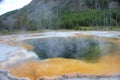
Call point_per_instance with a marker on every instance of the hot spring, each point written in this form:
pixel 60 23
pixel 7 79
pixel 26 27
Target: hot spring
pixel 89 57
pixel 80 48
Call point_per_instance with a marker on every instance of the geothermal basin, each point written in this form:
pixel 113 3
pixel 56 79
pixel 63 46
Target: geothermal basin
pixel 62 55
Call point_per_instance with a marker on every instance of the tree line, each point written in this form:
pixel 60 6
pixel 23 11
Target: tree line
pixel 82 13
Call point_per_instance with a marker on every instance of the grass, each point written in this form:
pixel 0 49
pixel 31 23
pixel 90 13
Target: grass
pixel 98 28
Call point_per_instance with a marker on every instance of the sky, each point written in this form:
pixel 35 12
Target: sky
pixel 9 5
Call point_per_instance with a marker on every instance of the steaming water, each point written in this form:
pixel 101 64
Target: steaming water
pixel 72 47
pixel 9 56
pixel 5 51
pixel 12 55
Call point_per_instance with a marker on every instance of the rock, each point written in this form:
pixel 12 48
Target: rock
pixel 78 76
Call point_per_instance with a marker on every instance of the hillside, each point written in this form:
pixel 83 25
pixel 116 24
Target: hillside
pixel 60 14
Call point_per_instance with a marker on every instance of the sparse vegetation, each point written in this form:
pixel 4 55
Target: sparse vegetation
pixel 65 14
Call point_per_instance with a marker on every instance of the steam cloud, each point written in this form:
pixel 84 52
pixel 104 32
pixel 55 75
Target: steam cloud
pixel 70 47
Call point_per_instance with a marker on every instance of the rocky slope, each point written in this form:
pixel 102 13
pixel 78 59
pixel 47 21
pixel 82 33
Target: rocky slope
pixel 39 11
pixel 42 14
